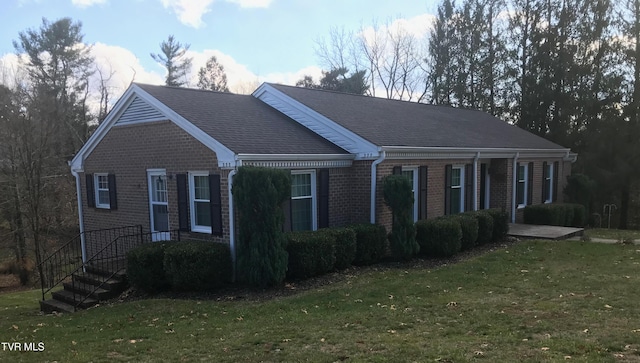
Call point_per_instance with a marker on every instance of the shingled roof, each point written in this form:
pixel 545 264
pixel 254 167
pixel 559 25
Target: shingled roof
pixel 386 122
pixel 242 123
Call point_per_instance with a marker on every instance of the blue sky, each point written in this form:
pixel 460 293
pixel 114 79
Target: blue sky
pixel 255 40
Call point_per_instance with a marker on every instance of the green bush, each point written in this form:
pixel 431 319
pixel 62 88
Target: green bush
pixel 197 265
pixel 259 194
pixel 469 228
pixel 485 226
pixel 500 224
pixel 439 237
pixel 398 195
pixel 556 214
pixel 145 267
pixel 311 253
pixel 580 189
pixel 345 246
pixel 371 243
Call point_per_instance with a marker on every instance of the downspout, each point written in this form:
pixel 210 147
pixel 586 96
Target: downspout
pixel 232 230
pixel 374 168
pixel 80 214
pixel 513 187
pixel 475 181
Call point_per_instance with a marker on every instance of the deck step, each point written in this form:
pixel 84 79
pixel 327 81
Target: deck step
pixel 53 305
pixel 69 297
pixel 103 270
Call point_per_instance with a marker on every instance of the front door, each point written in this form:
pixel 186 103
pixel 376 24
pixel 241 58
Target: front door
pixel 158 205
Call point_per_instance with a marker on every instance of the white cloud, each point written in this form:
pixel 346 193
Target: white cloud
pixel 189 12
pixel 87 3
pixel 251 3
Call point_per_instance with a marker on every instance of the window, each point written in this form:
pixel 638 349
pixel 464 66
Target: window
pixel 457 192
pixel 102 190
pixel 412 174
pixel 303 201
pixel 522 185
pixel 200 202
pixel 548 183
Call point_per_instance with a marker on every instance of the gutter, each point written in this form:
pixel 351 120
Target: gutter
pixel 513 188
pixel 80 214
pixel 232 229
pixel 374 168
pixel 475 181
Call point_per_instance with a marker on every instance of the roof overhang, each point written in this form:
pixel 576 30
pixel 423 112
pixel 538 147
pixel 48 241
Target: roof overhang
pixel 407 152
pixel 296 161
pixel 316 122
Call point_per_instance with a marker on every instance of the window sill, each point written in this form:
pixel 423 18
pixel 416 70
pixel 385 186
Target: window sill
pixel 103 206
pixel 521 206
pixel 201 229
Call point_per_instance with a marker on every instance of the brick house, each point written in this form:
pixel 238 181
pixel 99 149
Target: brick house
pixel 165 158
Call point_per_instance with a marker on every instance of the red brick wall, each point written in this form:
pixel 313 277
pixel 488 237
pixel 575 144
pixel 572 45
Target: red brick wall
pixel 127 152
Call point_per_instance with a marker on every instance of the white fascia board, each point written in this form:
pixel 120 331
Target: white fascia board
pixel 77 163
pixel 226 157
pixel 406 152
pixel 314 121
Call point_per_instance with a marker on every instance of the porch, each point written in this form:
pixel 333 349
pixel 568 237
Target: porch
pixel 532 231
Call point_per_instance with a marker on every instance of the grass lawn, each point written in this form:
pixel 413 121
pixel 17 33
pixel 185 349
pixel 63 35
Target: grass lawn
pixel 616 234
pixel 530 302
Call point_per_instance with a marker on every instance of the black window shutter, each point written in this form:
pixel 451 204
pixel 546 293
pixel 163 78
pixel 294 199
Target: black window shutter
pixel 323 201
pixel 113 193
pixel 91 195
pixel 423 173
pixel 215 203
pixel 397 170
pixel 530 184
pixel 183 203
pixel 556 177
pixel 468 188
pixel 545 186
pixel 447 189
pixel 483 185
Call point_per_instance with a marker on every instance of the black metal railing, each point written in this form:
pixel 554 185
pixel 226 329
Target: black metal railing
pixel 59 265
pixel 111 261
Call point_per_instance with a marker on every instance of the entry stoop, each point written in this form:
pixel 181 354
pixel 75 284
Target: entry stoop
pixel 533 231
pixel 89 288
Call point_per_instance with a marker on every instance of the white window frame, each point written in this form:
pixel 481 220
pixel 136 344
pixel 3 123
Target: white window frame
pixel 549 180
pixel 526 184
pixel 314 208
pixel 97 189
pixel 461 186
pixel 157 235
pixel 192 202
pixel 415 188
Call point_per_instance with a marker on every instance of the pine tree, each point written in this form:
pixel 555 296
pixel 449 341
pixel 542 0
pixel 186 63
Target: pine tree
pixel 173 58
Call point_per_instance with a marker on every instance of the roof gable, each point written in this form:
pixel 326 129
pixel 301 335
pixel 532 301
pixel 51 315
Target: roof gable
pixel 149 109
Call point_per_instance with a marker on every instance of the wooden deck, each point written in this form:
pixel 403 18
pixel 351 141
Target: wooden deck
pixel 531 231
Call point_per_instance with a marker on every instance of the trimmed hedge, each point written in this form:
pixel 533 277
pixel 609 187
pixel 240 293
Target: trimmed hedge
pixel 469 228
pixel 311 253
pixel 500 224
pixel 196 266
pixel 371 243
pixel 145 267
pixel 439 237
pixel 485 226
pixel 556 214
pixel 345 245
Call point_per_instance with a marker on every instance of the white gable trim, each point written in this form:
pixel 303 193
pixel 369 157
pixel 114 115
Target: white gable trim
pixel 226 157
pixel 314 121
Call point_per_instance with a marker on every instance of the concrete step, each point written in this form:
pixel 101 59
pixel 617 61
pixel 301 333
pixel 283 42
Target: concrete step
pixel 87 288
pixel 69 297
pixel 107 270
pixel 113 283
pixel 53 305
